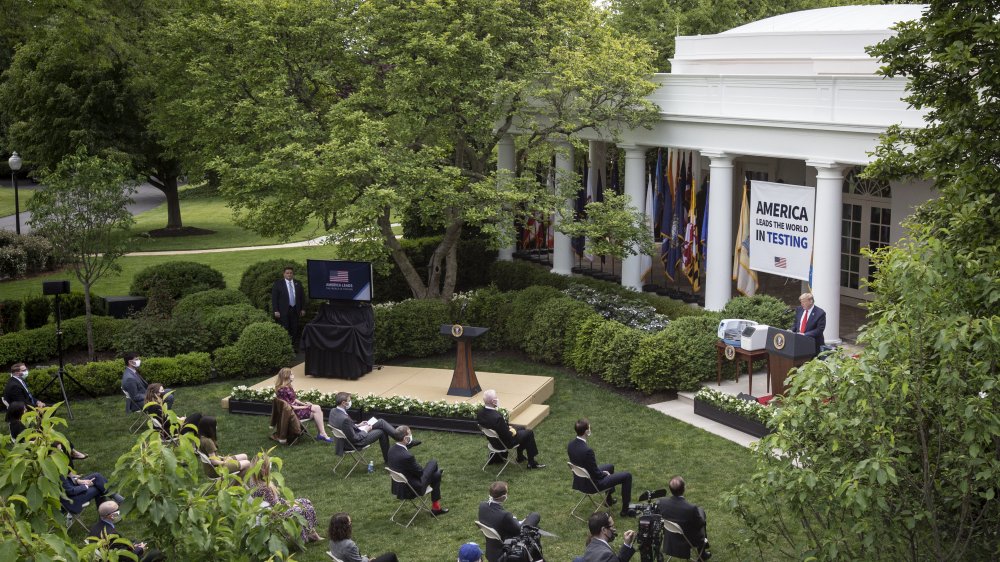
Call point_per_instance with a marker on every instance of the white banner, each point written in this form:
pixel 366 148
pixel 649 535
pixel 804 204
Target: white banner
pixel 781 228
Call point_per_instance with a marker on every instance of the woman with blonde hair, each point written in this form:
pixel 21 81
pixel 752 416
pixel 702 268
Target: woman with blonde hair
pixel 303 410
pixel 261 487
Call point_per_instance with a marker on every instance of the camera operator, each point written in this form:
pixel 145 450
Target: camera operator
pixel 492 514
pixel 602 534
pixel 690 518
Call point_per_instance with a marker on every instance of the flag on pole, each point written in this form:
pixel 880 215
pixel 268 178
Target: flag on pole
pixel 645 260
pixel 666 216
pixel 704 225
pixel 674 256
pixel 746 278
pixel 689 252
pixel 657 193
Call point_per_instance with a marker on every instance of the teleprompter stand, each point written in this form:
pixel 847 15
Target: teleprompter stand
pixel 463 380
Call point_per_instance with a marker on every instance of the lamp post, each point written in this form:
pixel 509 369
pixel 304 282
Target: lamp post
pixel 15 164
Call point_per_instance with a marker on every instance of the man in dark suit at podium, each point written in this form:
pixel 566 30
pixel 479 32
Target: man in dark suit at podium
pixel 810 320
pixel 287 295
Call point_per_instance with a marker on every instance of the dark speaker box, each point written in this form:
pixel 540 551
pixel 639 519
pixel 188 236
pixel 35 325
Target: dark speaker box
pixel 121 307
pixel 55 287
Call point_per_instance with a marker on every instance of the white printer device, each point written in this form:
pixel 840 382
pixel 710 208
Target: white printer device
pixel 754 337
pixel 731 330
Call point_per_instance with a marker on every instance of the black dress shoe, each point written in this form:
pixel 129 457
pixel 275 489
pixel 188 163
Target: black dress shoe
pixel 627 513
pixel 414 443
pixel 608 502
pixel 533 465
pixel 441 511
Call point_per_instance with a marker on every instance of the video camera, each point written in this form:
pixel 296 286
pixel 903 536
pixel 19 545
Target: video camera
pixel 649 535
pixel 524 548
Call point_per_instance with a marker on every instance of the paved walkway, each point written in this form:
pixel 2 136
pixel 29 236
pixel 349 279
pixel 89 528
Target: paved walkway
pixel 146 198
pixel 314 242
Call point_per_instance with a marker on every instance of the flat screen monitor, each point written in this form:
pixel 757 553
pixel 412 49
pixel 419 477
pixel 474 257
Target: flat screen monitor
pixel 340 280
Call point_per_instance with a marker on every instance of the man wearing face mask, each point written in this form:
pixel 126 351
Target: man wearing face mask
pixel 17 387
pixel 402 461
pixel 604 476
pixel 110 515
pixel 602 534
pixel 493 515
pixel 362 434
pixel 489 416
pixel 135 385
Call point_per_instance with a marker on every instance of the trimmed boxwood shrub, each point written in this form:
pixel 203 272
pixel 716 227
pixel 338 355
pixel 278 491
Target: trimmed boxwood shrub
pixel 74 304
pixel 39 344
pixel 151 335
pixel 514 276
pixel 614 347
pixel 10 316
pixel 257 280
pixel 177 279
pixel 762 309
pixel 486 307
pixel 226 323
pixel 37 310
pixel 410 329
pixel 551 330
pixel 679 357
pixel 24 253
pixel 200 304
pixel 521 310
pixel 262 348
pixel 105 377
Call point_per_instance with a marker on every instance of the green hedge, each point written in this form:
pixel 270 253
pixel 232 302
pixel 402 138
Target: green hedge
pixel 154 335
pixel 522 309
pixel 104 378
pixel 262 348
pixel 10 316
pixel 679 357
pixel 410 329
pixel 37 310
pixel 226 323
pixel 484 307
pixel 762 309
pixel 257 280
pixel 198 305
pixel 39 344
pixel 176 279
pixel 551 331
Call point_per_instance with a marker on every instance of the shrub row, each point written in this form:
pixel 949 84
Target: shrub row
pixel 22 254
pixel 176 279
pixel 39 344
pixel 105 377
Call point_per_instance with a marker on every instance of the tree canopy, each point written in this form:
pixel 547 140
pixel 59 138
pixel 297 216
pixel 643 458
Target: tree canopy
pixel 362 114
pixel 895 454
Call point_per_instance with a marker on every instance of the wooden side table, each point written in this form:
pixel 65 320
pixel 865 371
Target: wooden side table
pixel 738 354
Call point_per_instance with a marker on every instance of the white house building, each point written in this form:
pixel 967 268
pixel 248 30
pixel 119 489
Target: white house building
pixel 793 98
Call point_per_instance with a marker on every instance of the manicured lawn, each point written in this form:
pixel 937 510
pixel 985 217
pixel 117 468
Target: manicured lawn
pixel 650 445
pixel 231 264
pixel 207 211
pixel 7 199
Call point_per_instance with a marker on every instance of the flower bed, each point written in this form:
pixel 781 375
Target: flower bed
pixel 744 415
pixel 398 410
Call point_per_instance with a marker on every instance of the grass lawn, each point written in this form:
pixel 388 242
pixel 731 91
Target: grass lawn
pixel 7 199
pixel 209 211
pixel 650 445
pixel 231 264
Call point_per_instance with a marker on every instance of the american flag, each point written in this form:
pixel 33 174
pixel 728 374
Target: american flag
pixel 338 276
pixel 780 263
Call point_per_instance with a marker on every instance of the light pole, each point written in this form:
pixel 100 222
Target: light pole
pixel 15 164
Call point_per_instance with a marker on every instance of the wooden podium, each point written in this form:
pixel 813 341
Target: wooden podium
pixel 786 350
pixel 463 380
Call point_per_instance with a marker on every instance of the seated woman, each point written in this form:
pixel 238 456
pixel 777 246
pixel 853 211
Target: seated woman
pixel 191 424
pixel 81 489
pixel 208 444
pixel 344 548
pixel 261 487
pixel 303 410
pixel 14 414
pixel 156 408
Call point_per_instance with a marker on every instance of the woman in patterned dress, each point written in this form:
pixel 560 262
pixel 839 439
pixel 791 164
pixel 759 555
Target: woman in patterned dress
pixel 261 487
pixel 303 410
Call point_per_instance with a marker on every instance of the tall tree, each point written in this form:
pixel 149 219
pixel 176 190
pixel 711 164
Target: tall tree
pixel 82 212
pixel 364 113
pixel 895 455
pixel 80 78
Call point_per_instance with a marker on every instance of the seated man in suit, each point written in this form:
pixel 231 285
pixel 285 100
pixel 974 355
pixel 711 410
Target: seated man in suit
pixel 16 389
pixel 492 514
pixel 402 461
pixel 524 439
pixel 136 386
pixel 105 527
pixel 691 519
pixel 602 534
pixel 361 434
pixel 810 320
pixel 604 476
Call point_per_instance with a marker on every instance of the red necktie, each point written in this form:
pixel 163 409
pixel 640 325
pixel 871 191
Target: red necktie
pixel 805 318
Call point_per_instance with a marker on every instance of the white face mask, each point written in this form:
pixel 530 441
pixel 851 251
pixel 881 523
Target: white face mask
pixel 348 405
pixel 137 362
pixel 24 374
pixel 588 433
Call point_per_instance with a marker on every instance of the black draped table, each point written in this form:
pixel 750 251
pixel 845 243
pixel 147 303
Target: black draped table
pixel 340 341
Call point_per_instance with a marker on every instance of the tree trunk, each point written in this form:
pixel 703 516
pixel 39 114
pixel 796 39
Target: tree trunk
pixel 89 322
pixel 446 249
pixel 413 279
pixel 165 179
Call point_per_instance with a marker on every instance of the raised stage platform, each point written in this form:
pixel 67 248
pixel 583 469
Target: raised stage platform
pixel 522 395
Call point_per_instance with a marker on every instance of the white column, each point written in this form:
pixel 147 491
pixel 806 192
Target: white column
pixel 505 163
pixel 719 263
pixel 826 244
pixel 562 253
pixel 635 188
